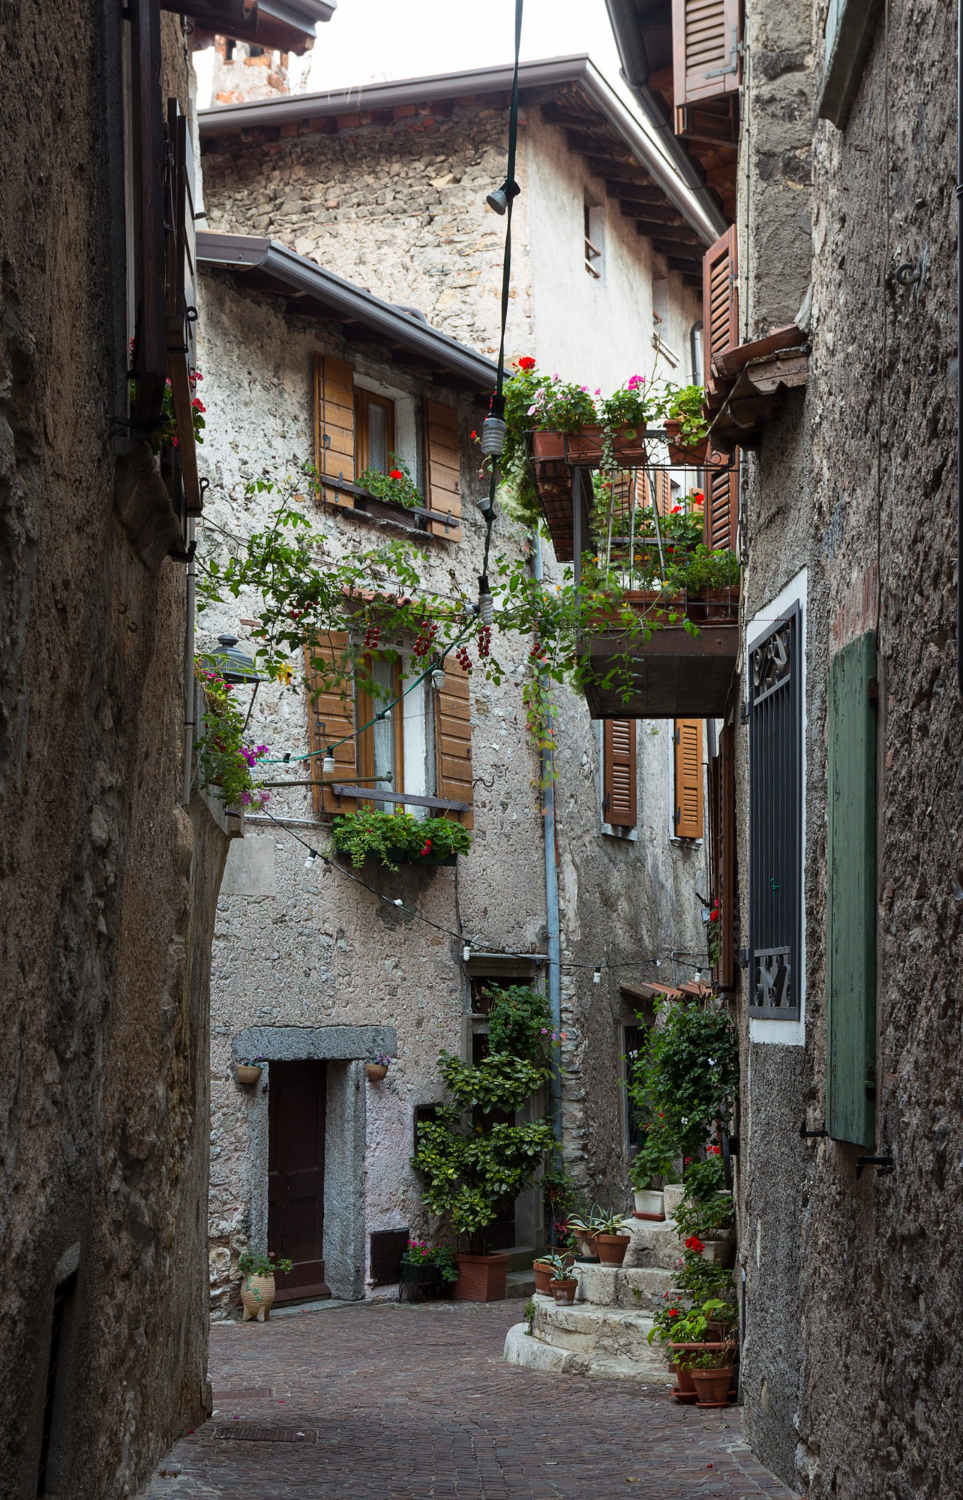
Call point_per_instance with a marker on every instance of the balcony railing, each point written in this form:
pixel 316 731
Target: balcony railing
pixel 654 538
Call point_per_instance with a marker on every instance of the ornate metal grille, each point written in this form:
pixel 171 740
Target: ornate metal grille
pixel 775 819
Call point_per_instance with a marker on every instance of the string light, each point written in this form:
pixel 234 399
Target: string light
pixel 597 976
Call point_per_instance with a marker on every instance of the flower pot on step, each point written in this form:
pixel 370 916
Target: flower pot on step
pixel 564 1291
pixel 679 1352
pixel 721 1251
pixel 712 1386
pixel 649 1204
pixel 612 1248
pixel 587 1246
pixel 257 1297
pixel 481 1278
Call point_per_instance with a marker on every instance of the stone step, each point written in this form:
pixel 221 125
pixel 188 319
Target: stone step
pixel 520 1258
pixel 520 1284
pixel 602 1344
pixel 653 1244
pixel 643 1288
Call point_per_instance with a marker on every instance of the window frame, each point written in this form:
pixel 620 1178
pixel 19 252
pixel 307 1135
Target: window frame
pixel 366 709
pixel 363 401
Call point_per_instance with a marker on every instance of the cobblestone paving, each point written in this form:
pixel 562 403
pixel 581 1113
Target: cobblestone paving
pixel 414 1402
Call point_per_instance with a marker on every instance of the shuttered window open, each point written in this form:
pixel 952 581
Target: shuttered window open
pixel 181 300
pixel 720 291
pixel 619 774
pixel 149 362
pixel 705 50
pixel 722 833
pixel 687 817
pixel 443 469
pixel 331 717
pixel 334 426
pixel 453 739
pixel 851 904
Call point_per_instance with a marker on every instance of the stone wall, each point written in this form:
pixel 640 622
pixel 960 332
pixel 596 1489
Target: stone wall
pixel 108 884
pixel 848 1367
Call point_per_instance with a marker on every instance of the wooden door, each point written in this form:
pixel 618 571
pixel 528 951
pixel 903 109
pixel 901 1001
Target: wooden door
pixel 296 1115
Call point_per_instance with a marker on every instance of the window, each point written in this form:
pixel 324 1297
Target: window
pixel 619 774
pixel 722 835
pixel 850 29
pixel 633 1041
pixel 687 817
pixel 594 222
pixel 374 431
pixel 695 349
pixel 660 321
pixel 775 819
pixel 381 742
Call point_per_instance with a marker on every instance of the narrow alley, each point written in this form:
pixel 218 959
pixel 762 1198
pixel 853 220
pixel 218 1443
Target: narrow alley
pixel 416 1402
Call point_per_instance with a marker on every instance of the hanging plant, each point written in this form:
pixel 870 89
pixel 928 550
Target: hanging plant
pixel 393 837
pixel 224 762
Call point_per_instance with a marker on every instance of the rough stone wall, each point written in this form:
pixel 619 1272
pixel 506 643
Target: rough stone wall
pixel 107 884
pixel 848 1366
pixel 243 72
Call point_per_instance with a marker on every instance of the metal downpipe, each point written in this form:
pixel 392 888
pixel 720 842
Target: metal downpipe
pixel 551 893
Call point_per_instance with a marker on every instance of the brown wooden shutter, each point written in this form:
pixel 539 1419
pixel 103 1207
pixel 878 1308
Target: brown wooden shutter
pixel 334 425
pixel 149 364
pixel 687 816
pixel 722 504
pixel 181 299
pixel 453 739
pixel 720 291
pixel 619 776
pixel 443 468
pixel 705 50
pixel 722 810
pixel 330 718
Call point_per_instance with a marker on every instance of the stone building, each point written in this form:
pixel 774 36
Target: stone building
pixel 834 375
pixel 110 864
pixel 390 195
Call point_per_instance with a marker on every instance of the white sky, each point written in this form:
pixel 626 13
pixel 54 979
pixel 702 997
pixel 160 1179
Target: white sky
pixel 372 41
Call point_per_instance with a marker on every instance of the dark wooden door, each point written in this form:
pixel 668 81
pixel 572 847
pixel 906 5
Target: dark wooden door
pixel 296 1175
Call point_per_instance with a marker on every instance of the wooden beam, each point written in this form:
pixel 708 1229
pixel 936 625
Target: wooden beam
pixel 683 235
pixel 619 187
pixel 653 213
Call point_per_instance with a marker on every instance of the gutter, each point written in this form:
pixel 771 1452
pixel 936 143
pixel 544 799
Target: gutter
pixel 670 168
pixel 627 29
pixel 551 892
pixel 241 252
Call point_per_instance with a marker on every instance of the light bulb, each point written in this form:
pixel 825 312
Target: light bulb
pixel 329 765
pixel 698 976
pixel 397 901
pixel 465 954
pixel 597 976
pixel 493 437
pixel 438 678
pixel 312 856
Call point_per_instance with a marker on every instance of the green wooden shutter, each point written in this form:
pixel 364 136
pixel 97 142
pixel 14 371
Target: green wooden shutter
pixel 851 874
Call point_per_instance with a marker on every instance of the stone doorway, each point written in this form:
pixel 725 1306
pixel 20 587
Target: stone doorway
pixel 297 1103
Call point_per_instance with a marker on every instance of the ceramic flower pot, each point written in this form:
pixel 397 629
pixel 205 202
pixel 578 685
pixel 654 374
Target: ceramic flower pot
pixel 246 1075
pixel 543 1274
pixel 712 1386
pixel 376 1071
pixel 683 1376
pixel 721 1251
pixel 612 1248
pixel 257 1297
pixel 587 1246
pixel 649 1204
pixel 564 1291
pixel 684 453
pixel 481 1278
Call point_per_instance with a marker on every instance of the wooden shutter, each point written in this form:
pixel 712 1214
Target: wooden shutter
pixel 149 364
pixel 688 779
pixel 330 718
pixel 619 776
pixel 334 425
pixel 722 814
pixel 720 293
pixel 443 468
pixel 851 905
pixel 705 50
pixel 722 503
pixel 181 299
pixel 453 739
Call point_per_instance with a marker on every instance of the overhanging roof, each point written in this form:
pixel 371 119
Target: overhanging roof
pixel 289 25
pixel 265 265
pixel 539 82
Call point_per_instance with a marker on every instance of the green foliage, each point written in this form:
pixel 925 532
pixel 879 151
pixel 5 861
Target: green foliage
pixel 557 1185
pixel 500 1081
pixel 397 485
pixel 372 834
pixel 699 1279
pixel 224 762
pixel 655 1157
pixel 520 1021
pixel 707 1208
pixel 559 1265
pixel 528 1313
pixel 440 1257
pixel 685 407
pixel 688 1072
pixel 255 1263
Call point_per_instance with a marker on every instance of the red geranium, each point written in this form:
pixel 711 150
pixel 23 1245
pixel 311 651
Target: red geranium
pixel 694 1243
pixel 699 497
pixel 395 474
pixel 526 363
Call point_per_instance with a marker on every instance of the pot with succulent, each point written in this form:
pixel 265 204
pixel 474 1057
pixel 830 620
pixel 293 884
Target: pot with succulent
pixel 542 1267
pixel 377 1069
pixel 612 1239
pixel 585 1229
pixel 561 1283
pixel 258 1288
pixel 247 1070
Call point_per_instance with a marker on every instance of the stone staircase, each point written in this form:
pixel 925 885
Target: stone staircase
pixel 604 1333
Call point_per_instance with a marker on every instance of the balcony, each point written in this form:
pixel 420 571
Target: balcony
pixel 653 541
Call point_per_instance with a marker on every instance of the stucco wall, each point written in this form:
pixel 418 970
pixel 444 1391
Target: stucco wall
pixel 108 884
pixel 848 1370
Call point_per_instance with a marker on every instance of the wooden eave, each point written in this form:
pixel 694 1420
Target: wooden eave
pixel 750 384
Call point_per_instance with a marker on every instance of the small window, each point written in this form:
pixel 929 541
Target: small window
pixel 850 29
pixel 380 744
pixel 660 321
pixel 594 217
pixel 633 1041
pixel 619 774
pixel 374 431
pixel 698 360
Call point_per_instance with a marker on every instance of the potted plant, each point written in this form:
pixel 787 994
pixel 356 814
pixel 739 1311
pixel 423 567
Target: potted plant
pixel 248 1070
pixel 378 1068
pixel 585 1229
pixel 398 838
pixel 258 1288
pixel 433 1269
pixel 472 1165
pixel 710 1369
pixel 542 1267
pixel 562 1284
pixel 558 1186
pixel 685 426
pixel 653 1159
pixel 612 1240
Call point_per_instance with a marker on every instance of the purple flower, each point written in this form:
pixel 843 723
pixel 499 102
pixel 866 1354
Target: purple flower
pixel 245 797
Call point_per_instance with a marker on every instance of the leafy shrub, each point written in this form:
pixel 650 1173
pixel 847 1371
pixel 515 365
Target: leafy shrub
pixel 371 834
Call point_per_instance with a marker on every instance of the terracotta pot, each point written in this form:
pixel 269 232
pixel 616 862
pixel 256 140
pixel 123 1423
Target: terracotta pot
pixel 481 1278
pixel 376 1071
pixel 684 1398
pixel 245 1075
pixel 564 1291
pixel 649 1204
pixel 612 1248
pixel 681 453
pixel 543 1276
pixel 257 1297
pixel 587 1246
pixel 712 1386
pixel 684 1377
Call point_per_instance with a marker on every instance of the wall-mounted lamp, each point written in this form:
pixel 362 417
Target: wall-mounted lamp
pixel 501 197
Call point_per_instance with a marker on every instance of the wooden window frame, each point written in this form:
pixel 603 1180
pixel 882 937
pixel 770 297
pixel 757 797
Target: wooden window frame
pixel 363 402
pixel 367 708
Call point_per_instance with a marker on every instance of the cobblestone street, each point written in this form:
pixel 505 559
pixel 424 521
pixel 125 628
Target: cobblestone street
pixel 415 1402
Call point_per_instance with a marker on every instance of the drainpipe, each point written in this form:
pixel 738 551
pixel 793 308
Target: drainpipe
pixel 959 347
pixel 551 888
pixel 190 692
